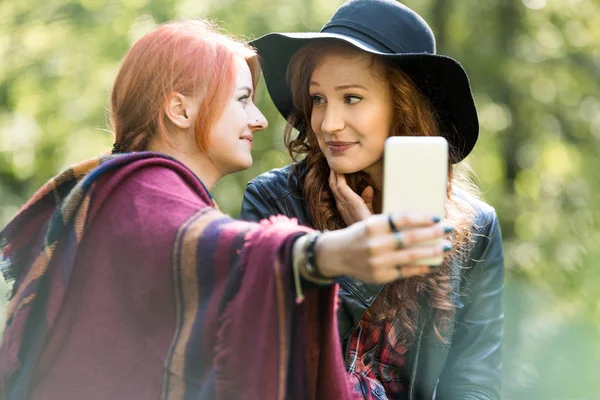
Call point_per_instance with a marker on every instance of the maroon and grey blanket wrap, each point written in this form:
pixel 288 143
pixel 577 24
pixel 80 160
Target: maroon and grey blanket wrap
pixel 130 283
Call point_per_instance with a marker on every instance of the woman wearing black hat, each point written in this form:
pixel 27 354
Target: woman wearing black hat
pixel 371 73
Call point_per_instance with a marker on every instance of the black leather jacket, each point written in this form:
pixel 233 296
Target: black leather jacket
pixel 469 366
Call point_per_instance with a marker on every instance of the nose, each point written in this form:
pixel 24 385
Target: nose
pixel 257 121
pixel 333 120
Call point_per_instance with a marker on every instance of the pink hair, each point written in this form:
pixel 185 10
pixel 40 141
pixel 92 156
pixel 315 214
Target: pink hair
pixel 189 57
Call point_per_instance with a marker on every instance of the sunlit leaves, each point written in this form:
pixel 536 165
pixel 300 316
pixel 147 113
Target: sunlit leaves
pixel 534 67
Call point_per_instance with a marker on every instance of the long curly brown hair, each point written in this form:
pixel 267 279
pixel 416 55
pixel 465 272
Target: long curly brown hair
pixel 413 115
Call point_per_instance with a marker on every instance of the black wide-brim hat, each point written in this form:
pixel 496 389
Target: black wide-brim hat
pixel 389 29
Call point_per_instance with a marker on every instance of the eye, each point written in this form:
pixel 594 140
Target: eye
pixel 351 99
pixel 244 98
pixel 316 99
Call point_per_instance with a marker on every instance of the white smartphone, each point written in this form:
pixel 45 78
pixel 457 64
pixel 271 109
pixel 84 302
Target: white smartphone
pixel 415 177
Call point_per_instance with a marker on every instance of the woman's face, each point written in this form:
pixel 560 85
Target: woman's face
pixel 230 138
pixel 351 112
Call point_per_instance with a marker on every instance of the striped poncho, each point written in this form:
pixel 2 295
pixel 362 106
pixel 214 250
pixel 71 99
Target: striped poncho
pixel 130 284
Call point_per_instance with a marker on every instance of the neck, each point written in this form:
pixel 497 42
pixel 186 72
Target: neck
pixel 197 161
pixel 375 173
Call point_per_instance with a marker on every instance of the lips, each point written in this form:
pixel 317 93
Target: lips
pixel 340 147
pixel 247 138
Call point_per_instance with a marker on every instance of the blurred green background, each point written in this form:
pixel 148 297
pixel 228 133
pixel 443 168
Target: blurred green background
pixel 535 70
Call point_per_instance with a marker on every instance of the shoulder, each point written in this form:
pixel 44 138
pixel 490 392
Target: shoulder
pixel 486 248
pixel 144 206
pixel 165 182
pixel 145 186
pixel 279 182
pixel 484 215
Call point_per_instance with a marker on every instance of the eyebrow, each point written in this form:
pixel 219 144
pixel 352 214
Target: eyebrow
pixel 341 87
pixel 249 89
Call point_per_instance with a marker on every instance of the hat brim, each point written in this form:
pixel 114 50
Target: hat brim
pixel 442 79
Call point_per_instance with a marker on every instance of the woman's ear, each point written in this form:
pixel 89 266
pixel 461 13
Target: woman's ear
pixel 177 112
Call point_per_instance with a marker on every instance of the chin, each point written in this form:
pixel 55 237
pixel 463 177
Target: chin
pixel 242 165
pixel 346 167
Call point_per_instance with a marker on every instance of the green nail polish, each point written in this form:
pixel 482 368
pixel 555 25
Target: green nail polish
pixel 436 220
pixel 434 266
pixel 448 229
pixel 447 247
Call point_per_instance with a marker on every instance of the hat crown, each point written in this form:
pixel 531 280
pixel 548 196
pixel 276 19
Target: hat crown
pixel 387 25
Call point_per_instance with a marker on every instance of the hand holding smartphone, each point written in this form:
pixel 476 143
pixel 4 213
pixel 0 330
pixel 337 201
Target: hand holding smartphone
pixel 415 178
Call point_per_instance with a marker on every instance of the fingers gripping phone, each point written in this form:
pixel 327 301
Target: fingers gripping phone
pixel 415 176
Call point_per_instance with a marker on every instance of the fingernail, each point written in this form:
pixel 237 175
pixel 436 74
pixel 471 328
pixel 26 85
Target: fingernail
pixel 434 266
pixel 447 247
pixel 436 220
pixel 448 229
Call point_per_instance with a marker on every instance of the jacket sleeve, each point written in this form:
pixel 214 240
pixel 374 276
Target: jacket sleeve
pixel 255 205
pixel 474 367
pixel 258 205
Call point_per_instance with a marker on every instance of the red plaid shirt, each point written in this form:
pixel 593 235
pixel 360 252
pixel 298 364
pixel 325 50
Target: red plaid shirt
pixel 375 360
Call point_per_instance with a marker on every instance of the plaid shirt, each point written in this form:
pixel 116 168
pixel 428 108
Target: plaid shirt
pixel 375 360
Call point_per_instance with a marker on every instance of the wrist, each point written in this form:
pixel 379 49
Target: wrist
pixel 325 255
pixel 305 258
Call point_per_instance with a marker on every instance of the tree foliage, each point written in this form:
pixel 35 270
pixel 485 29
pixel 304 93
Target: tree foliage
pixel 535 71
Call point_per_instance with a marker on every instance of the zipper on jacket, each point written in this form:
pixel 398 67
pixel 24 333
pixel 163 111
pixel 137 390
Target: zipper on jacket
pixel 411 395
